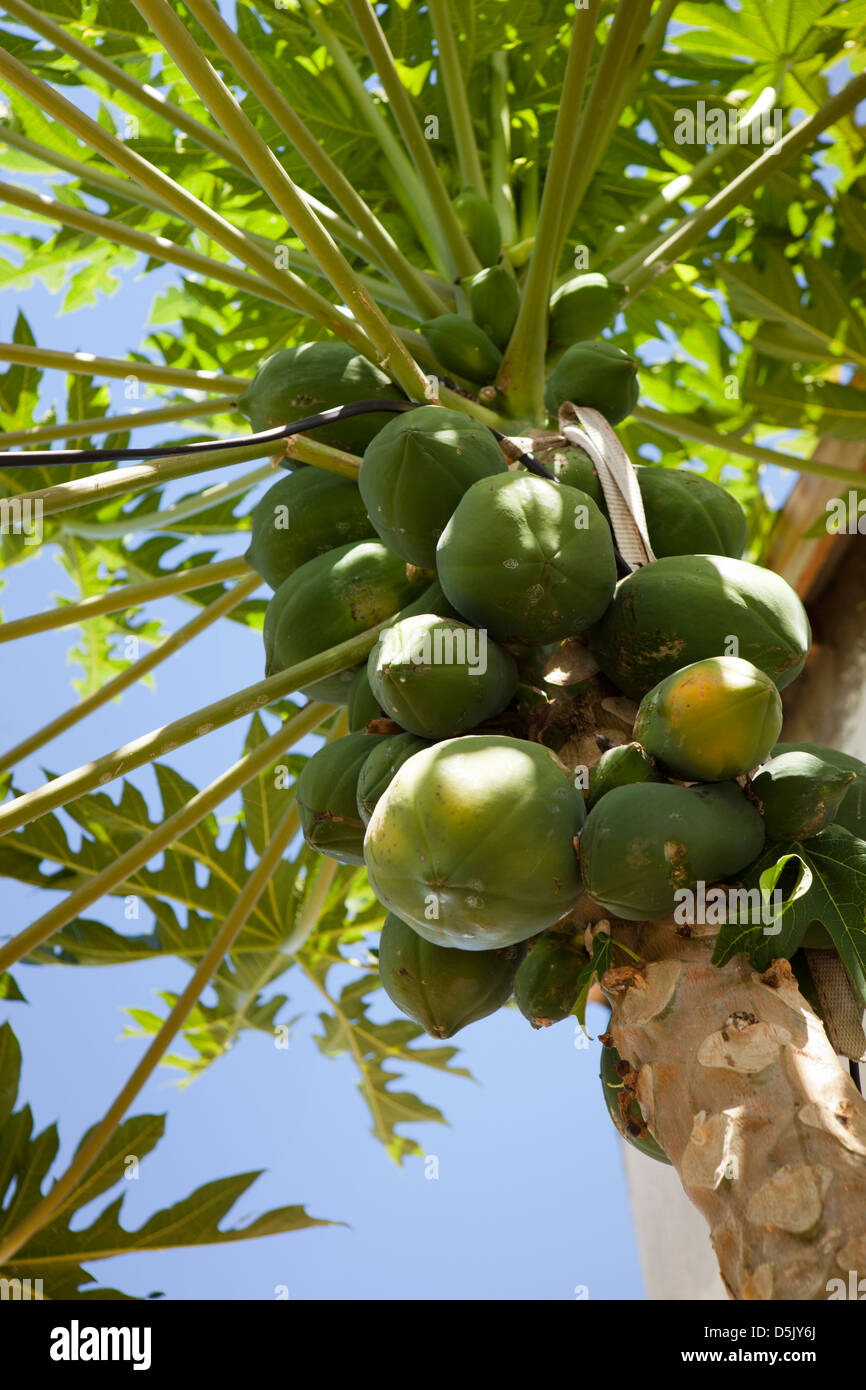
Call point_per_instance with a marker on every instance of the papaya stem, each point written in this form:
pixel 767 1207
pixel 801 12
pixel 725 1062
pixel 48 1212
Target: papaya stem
pixel 96 1139
pixel 646 265
pixel 521 374
pixel 135 672
pixel 501 195
pixel 166 518
pixel 195 725
pixel 115 424
pixel 23 355
pixel 471 174
pixel 682 427
pixel 419 292
pixel 128 596
pixel 266 168
pixel 465 260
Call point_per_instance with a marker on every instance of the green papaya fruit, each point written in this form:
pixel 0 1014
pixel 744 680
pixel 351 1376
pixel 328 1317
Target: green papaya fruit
pixel 620 767
pixel 460 346
pixel 548 979
pixel 381 768
pixel 598 375
pixel 572 466
pixel 711 721
pixel 494 300
pixel 800 794
pixel 623 1108
pixel 437 677
pixel 327 797
pixel 472 843
pixel 688 514
pixel 303 515
pixel 851 815
pixel 643 843
pixel 415 472
pixel 330 599
pixel 442 989
pixel 527 559
pixel 361 705
pixel 580 309
pixel 312 377
pixel 687 607
pixel 480 224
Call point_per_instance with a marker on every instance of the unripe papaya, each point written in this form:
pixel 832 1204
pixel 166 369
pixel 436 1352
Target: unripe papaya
pixel 330 599
pixel 362 705
pixel 548 979
pixel 688 514
pixel 580 309
pixel 437 677
pixel 687 607
pixel 415 472
pixel 440 988
pixel 620 767
pixel 472 842
pixel 303 515
pixel 623 1108
pixel 643 843
pixel 529 560
pixel 711 721
pixel 572 466
pixel 494 299
pixel 598 375
pixel 382 766
pixel 327 797
pixel 851 815
pixel 480 224
pixel 800 794
pixel 312 377
pixel 460 346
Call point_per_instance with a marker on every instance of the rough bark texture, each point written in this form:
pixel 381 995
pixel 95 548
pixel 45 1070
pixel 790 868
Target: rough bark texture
pixel 737 1080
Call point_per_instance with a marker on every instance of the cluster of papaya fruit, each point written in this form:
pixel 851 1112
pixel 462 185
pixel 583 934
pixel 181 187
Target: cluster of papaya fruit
pixel 479 841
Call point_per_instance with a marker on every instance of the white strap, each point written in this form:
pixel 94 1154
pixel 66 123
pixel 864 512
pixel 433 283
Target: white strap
pixel 618 480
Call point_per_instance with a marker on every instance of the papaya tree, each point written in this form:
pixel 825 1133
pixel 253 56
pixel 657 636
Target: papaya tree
pixel 510 303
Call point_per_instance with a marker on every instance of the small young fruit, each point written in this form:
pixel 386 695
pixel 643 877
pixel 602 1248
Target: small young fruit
pixel 437 677
pixel 598 375
pixel 381 768
pixel 548 979
pixel 460 346
pixel 711 721
pixel 624 1109
pixel 580 309
pixel 480 224
pixel 620 767
pixel 800 794
pixel 494 300
pixel 851 815
pixel 327 797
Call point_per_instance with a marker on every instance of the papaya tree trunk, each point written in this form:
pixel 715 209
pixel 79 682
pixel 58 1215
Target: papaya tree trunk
pixel 737 1080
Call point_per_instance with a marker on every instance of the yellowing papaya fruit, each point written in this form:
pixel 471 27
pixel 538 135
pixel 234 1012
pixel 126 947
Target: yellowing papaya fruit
pixel 494 300
pixel 582 307
pixel 800 794
pixel 851 815
pixel 472 842
pixel 480 224
pixel 312 377
pixel 437 677
pixel 460 346
pixel 620 767
pixel 684 608
pixel 416 470
pixel 548 978
pixel 622 1105
pixel 598 375
pixel 529 560
pixel 711 721
pixel 381 768
pixel 442 989
pixel 643 843
pixel 330 599
pixel 327 797
pixel 303 515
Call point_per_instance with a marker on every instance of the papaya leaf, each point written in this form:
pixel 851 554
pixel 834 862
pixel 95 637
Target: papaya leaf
pixel 815 323
pixel 57 1255
pixel 9 989
pixel 828 887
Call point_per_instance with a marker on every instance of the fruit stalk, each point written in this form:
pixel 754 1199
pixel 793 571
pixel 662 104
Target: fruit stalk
pixel 739 1083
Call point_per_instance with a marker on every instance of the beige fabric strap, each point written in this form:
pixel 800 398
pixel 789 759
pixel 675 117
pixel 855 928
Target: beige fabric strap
pixel 842 1007
pixel 590 431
